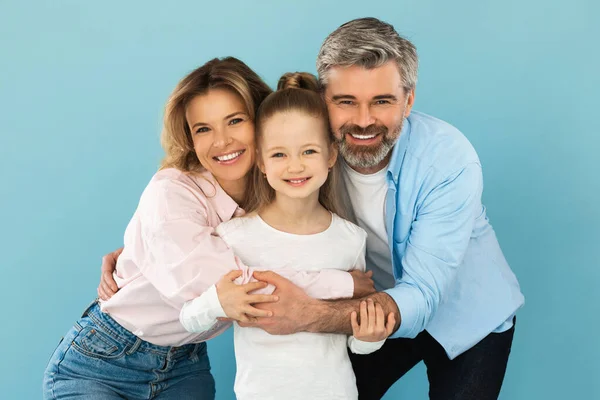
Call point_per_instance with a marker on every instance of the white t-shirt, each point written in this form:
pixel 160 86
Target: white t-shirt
pixel 367 194
pixel 302 365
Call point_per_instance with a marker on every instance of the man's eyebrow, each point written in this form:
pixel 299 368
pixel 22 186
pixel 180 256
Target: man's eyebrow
pixel 343 96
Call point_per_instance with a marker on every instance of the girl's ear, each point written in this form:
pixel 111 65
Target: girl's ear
pixel 260 163
pixel 333 155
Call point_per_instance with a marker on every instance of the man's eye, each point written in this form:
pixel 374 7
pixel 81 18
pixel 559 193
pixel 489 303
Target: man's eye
pixel 379 102
pixel 346 102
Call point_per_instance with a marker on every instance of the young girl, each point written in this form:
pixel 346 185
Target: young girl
pixel 294 225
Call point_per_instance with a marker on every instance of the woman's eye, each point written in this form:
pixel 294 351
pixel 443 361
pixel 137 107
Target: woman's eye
pixel 235 121
pixel 203 129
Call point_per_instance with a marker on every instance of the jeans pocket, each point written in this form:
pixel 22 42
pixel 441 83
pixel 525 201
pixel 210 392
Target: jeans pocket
pixel 96 343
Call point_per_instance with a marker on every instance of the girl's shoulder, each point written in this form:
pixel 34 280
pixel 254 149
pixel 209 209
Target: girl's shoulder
pixel 351 229
pixel 237 227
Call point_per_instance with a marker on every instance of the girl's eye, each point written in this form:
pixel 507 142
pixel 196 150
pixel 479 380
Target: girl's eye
pixel 202 129
pixel 277 155
pixel 235 121
pixel 309 152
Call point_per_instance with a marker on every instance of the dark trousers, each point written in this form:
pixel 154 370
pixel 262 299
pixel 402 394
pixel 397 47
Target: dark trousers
pixel 476 374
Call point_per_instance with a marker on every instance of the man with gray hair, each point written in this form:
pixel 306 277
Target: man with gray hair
pixel 415 185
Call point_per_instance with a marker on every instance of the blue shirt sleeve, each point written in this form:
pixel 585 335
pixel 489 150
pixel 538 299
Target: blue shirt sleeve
pixel 436 246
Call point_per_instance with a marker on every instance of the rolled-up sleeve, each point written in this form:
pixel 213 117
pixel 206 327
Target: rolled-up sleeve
pixel 435 247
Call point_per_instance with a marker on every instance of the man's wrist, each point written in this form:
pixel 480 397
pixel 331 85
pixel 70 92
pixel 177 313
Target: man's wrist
pixel 312 313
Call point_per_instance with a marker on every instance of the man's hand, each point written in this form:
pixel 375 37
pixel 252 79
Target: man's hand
pixel 108 287
pixel 289 314
pixel 363 283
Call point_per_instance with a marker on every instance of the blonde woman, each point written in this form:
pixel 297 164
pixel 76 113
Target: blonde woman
pixel 133 345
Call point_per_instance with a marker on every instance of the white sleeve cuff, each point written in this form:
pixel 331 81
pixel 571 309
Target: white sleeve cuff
pixel 200 314
pixel 361 347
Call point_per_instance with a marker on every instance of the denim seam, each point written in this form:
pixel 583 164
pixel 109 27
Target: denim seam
pixel 78 328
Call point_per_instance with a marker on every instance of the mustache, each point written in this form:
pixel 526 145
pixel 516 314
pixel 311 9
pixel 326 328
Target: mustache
pixel 358 130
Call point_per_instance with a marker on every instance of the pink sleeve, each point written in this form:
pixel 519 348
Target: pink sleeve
pixel 323 284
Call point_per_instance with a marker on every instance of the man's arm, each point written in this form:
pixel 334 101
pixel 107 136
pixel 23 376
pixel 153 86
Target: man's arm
pixel 297 312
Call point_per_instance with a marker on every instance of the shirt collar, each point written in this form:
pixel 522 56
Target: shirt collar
pixel 399 151
pixel 223 204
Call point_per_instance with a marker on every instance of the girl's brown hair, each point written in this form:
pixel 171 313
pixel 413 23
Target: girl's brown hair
pixel 298 91
pixel 229 73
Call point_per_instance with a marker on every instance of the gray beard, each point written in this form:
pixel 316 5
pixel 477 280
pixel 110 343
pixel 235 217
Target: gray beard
pixel 368 157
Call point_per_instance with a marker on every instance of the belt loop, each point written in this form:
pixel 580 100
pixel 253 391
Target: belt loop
pixel 135 346
pixel 89 307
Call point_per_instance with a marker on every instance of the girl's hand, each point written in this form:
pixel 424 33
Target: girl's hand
pixel 372 326
pixel 236 300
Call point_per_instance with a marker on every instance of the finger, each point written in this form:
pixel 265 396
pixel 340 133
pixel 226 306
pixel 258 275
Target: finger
pixel 233 275
pixel 262 298
pixel 243 318
pixel 389 328
pixel 371 311
pixel 269 277
pixel 379 317
pixel 225 319
pixel 252 286
pixel 257 312
pixel 364 318
pixel 369 274
pixel 101 294
pixel 108 263
pixel 109 283
pixel 107 292
pixel 354 322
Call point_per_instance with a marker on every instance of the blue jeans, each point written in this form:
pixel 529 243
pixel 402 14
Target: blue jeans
pixel 99 359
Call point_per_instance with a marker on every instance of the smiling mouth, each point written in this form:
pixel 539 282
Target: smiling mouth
pixel 297 182
pixel 362 137
pixel 228 158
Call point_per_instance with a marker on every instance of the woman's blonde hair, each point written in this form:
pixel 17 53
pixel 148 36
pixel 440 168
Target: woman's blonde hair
pixel 298 91
pixel 229 73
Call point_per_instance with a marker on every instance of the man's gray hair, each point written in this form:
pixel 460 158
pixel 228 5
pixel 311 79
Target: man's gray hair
pixel 369 43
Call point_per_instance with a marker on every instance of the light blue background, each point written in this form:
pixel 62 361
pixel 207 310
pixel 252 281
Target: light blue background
pixel 82 86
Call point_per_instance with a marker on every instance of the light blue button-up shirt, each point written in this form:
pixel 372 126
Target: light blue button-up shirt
pixel 451 277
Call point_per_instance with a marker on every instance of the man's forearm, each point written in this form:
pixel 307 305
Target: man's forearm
pixel 333 316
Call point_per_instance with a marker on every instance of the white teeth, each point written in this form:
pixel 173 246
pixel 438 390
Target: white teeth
pixel 296 180
pixel 363 137
pixel 228 157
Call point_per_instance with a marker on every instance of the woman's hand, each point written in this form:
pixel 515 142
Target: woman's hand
pixel 236 300
pixel 108 287
pixel 372 326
